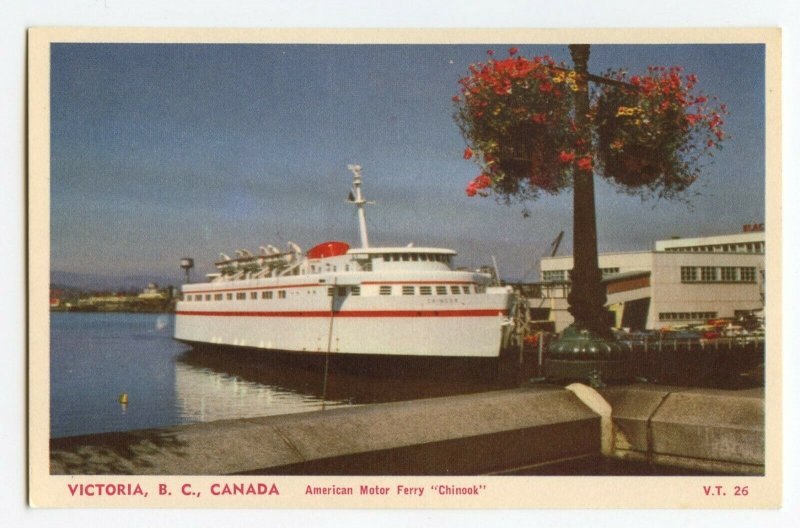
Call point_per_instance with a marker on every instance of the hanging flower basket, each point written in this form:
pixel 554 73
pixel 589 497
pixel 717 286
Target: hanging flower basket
pixel 650 137
pixel 515 115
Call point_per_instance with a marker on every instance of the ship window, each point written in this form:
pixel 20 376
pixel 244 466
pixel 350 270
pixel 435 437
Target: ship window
pixel 341 291
pixel 229 296
pixel 330 291
pixel 266 295
pixel 465 289
pixel 208 297
pixel 425 290
pixel 408 290
pixel 405 257
pixel 441 290
pixel 395 257
pixel 455 290
pixel 355 290
pixel 217 296
pixel 423 256
pixel 254 295
pixel 386 290
pixel 347 267
pixel 241 296
pixel 414 257
pixel 480 288
pixel 386 258
pixel 281 294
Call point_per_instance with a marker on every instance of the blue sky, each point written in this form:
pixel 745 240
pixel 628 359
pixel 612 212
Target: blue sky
pixel 165 151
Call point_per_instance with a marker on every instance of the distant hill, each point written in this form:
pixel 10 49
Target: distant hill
pixel 98 282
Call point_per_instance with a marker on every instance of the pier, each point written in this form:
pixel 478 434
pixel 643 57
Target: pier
pixel 531 430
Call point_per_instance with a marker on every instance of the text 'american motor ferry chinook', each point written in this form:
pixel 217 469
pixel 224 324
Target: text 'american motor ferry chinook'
pixel 360 303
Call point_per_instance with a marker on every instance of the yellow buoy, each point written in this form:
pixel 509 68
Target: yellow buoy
pixel 123 398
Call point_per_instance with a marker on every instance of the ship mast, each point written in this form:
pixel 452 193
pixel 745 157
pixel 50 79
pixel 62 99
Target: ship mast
pixel 359 201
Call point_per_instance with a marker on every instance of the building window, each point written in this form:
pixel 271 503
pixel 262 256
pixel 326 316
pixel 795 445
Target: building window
pixel 728 274
pixel 425 290
pixel 441 290
pixel 708 273
pixel 688 274
pixel 605 272
pixel 385 290
pixel 686 316
pixel 747 274
pixel 553 276
pixel 408 290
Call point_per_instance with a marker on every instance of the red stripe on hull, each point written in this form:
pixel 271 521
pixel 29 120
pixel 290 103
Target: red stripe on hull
pixel 354 313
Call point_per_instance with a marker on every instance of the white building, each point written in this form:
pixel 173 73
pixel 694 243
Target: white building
pixel 680 282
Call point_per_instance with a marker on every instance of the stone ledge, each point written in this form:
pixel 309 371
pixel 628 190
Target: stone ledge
pixel 470 434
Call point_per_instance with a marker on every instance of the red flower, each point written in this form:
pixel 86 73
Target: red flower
pixel 566 157
pixel 513 51
pixel 456 99
pixel 700 100
pixel 539 119
pixel 467 153
pixel 482 181
pixel 490 52
pixel 585 163
pixel 546 87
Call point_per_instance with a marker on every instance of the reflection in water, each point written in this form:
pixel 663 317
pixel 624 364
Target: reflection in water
pixel 204 395
pixel 219 384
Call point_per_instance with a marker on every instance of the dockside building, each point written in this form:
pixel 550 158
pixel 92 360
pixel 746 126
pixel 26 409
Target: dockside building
pixel 680 281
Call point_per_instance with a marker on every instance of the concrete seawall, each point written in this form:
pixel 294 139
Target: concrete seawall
pixel 492 432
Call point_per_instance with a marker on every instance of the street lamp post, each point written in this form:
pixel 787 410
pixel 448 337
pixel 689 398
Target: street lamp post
pixel 587 348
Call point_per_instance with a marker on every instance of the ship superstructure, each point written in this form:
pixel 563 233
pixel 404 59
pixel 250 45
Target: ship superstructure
pixel 384 301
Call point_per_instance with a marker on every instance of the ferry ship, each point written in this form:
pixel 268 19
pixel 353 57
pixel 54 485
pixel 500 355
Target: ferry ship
pixel 364 302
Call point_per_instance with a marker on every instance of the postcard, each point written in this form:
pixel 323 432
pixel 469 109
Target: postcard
pixel 404 269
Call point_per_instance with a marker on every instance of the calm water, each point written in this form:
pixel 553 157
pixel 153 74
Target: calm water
pixel 97 356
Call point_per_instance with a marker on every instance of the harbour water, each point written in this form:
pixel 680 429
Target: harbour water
pixel 96 357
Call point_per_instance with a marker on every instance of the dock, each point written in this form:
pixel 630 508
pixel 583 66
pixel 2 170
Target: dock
pixel 530 430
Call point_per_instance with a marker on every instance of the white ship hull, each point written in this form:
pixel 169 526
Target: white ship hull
pixel 308 320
